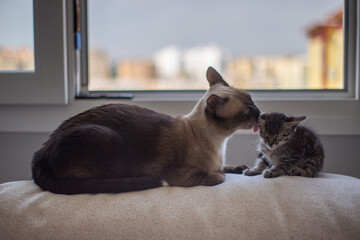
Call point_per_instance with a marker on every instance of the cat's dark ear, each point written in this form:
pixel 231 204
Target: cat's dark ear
pixel 214 77
pixel 294 121
pixel 215 103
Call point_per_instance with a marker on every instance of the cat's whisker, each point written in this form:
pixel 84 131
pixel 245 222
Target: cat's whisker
pixel 284 150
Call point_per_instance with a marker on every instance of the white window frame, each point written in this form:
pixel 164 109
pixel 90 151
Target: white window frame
pixel 48 84
pixel 349 91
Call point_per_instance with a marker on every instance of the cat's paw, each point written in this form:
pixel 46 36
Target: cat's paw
pixel 251 172
pixel 270 174
pixel 240 169
pixel 235 169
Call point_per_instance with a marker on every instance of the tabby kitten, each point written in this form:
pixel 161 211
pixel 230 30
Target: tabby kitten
pixel 286 148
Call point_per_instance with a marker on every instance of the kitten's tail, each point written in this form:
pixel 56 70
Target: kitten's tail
pixel 42 176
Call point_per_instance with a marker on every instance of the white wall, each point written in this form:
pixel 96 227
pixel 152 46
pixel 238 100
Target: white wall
pixel 16 151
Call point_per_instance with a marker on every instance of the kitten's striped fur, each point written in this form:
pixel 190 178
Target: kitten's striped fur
pixel 286 148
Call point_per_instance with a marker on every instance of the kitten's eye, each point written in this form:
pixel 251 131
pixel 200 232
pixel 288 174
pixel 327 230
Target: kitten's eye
pixel 285 135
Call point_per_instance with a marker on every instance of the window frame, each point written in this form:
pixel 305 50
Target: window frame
pixel 349 92
pixel 48 84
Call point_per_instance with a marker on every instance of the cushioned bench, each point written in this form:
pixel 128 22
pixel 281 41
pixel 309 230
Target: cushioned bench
pixel 326 207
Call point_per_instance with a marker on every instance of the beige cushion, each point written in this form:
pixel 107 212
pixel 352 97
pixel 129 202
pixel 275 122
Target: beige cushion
pixel 327 207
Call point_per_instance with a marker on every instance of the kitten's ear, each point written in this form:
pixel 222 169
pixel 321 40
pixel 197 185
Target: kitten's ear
pixel 214 77
pixel 262 117
pixel 294 121
pixel 215 103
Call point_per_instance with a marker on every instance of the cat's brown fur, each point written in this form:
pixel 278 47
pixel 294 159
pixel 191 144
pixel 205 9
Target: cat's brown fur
pixel 118 148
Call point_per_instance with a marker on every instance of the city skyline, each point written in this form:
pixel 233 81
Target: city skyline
pixel 174 68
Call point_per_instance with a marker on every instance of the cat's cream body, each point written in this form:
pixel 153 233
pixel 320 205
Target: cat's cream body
pixel 212 136
pixel 117 147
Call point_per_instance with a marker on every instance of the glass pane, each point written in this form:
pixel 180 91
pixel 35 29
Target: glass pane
pixel 17 35
pixel 168 45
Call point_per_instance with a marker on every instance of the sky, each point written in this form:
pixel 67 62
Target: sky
pixel 16 23
pixel 138 28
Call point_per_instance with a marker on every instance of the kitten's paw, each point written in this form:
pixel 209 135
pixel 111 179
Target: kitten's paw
pixel 295 172
pixel 251 172
pixel 270 174
pixel 302 172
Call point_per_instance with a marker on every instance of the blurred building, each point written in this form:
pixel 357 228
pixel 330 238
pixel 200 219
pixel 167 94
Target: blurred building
pixel 196 60
pixel 100 71
pixel 99 64
pixel 186 69
pixel 135 74
pixel 12 59
pixel 168 62
pixel 136 69
pixel 325 53
pixel 267 72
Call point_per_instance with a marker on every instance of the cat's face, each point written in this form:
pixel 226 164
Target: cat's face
pixel 229 107
pixel 276 128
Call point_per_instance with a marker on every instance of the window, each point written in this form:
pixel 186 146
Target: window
pixel 33 52
pixel 256 45
pixel 17 36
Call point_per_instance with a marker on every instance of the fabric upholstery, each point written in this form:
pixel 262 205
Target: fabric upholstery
pixel 326 207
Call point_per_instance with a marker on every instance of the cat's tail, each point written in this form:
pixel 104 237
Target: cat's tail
pixel 42 175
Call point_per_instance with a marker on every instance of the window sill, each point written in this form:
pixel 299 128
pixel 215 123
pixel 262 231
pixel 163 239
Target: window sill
pixel 325 117
pixel 195 95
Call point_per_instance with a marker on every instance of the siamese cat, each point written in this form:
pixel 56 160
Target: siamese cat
pixel 119 148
